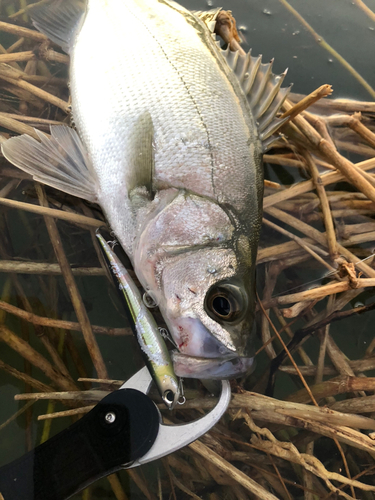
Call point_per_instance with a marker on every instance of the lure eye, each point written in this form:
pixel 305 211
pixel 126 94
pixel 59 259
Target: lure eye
pixel 225 303
pixel 169 398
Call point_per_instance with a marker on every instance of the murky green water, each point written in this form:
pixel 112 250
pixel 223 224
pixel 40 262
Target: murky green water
pixel 271 30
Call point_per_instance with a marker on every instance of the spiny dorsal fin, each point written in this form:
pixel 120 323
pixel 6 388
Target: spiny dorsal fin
pixel 59 160
pixel 262 89
pixel 208 17
pixel 59 20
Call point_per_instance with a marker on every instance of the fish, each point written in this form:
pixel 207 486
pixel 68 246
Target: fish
pixel 169 133
pixel 152 344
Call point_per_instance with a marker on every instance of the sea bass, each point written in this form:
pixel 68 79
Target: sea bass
pixel 171 131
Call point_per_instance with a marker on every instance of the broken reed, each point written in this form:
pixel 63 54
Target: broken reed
pixel 265 448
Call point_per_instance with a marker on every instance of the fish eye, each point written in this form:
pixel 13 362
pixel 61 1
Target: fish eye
pixel 221 306
pixel 225 303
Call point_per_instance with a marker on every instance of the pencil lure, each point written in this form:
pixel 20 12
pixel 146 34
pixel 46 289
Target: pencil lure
pixel 151 342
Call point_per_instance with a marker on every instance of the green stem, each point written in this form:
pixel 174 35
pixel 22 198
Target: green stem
pixel 47 423
pixel 23 5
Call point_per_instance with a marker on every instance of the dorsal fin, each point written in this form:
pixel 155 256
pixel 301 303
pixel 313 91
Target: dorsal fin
pixel 262 89
pixel 208 17
pixel 60 20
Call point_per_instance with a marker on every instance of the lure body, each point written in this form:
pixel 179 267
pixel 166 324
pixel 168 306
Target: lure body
pixel 151 342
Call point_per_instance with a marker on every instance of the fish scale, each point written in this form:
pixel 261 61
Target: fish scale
pixel 168 144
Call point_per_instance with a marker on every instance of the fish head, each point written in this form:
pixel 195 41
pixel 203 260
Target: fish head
pixel 207 301
pixel 198 267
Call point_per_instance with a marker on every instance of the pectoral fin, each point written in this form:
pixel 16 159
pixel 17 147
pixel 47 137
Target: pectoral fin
pixel 59 160
pixel 60 20
pixel 142 152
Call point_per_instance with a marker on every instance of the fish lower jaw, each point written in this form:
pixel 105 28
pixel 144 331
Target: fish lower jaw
pixel 226 367
pixel 192 338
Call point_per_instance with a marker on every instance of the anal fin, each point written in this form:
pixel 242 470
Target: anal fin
pixel 59 160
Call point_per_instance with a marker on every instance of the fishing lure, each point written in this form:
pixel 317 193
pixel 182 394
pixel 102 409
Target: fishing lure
pixel 149 338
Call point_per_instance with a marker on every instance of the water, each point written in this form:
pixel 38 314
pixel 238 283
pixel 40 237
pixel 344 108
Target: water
pixel 271 30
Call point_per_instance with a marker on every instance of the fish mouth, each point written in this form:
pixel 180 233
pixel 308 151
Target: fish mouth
pixel 225 367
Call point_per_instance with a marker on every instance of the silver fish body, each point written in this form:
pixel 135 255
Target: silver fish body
pixel 166 97
pixel 174 158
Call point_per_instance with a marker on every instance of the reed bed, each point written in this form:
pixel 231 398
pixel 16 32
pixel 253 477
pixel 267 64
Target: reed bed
pixel 316 270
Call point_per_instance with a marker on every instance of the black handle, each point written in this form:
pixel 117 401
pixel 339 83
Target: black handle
pixel 120 429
